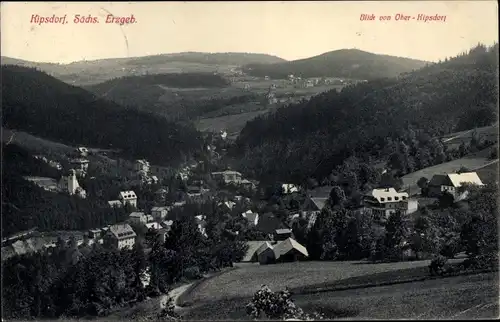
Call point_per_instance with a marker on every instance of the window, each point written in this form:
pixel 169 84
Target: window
pixel 389 198
pixel 396 198
pixel 404 198
pixel 382 199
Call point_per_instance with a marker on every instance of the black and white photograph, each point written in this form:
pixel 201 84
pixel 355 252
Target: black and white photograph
pixel 249 160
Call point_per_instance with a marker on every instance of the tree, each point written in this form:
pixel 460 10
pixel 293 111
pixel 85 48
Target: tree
pixel 395 236
pixel 337 196
pixel 423 183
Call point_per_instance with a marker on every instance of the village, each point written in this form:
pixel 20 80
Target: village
pixel 232 193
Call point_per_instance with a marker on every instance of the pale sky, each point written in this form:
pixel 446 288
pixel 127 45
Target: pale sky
pixel 291 30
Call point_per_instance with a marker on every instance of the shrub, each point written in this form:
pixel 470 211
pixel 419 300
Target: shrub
pixel 193 273
pixel 437 265
pixel 276 305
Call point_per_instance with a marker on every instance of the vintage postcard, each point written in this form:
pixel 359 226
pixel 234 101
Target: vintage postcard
pixel 260 160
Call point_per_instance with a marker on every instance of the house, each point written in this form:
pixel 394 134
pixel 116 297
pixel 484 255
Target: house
pixel 95 233
pixel 227 176
pixel 253 245
pixel 282 234
pixel 247 184
pixel 69 184
pixel 179 204
pixel 229 204
pixel 153 225
pixel 115 203
pixel 120 236
pixel 149 218
pixel 159 213
pixel 128 197
pixel 167 224
pixel 289 188
pixel 138 218
pixel 193 191
pixel 386 201
pixel 290 250
pixel 451 183
pixel 264 254
pixel 253 218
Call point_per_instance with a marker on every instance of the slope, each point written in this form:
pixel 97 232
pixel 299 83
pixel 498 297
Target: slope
pixel 96 71
pixel 347 63
pixel 368 120
pixel 44 106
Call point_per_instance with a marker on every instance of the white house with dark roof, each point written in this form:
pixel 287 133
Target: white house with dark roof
pixel 121 236
pixel 451 182
pixel 128 197
pixel 386 201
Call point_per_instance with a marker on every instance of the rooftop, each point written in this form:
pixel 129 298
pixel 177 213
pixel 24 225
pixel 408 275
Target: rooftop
pixel 388 195
pixel 287 245
pixel 122 231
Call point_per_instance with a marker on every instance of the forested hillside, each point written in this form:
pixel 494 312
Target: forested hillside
pixel 25 205
pixel 42 105
pixel 177 80
pixel 209 58
pixel 348 63
pixel 373 120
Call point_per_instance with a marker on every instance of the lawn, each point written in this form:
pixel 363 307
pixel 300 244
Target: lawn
pixel 474 296
pixel 473 161
pixel 247 279
pixel 33 143
pixel 232 124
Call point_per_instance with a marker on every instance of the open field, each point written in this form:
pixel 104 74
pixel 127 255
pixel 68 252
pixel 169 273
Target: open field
pixel 453 140
pixel 489 173
pixel 232 124
pixel 472 162
pixel 462 297
pixel 32 142
pixel 247 279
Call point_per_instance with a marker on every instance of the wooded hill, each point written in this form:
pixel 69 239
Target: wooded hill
pixel 369 119
pixel 37 103
pixel 345 63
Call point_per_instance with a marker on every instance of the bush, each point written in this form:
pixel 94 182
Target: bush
pixel 437 266
pixel 193 273
pixel 276 305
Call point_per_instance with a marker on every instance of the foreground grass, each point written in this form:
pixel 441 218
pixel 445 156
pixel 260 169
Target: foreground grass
pixel 247 279
pixel 454 298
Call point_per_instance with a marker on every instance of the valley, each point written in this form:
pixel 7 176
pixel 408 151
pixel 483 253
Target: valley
pixel 218 173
